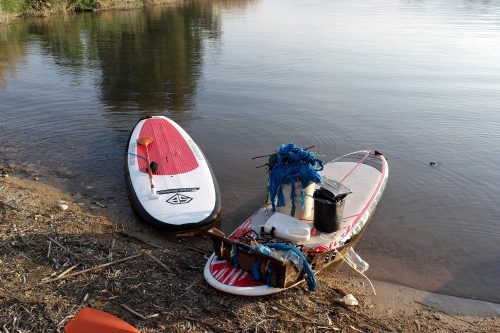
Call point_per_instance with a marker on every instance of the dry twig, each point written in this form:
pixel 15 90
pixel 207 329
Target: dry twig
pixel 62 246
pixel 158 261
pixel 123 233
pixel 196 249
pixel 306 319
pixel 133 312
pixel 295 312
pixel 356 329
pixel 84 271
pixel 67 271
pixel 365 317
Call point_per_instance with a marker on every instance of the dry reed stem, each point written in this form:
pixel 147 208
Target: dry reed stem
pixel 133 311
pixel 84 271
pixel 158 261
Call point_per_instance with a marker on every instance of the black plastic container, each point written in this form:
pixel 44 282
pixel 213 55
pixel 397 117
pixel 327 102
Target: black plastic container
pixel 328 210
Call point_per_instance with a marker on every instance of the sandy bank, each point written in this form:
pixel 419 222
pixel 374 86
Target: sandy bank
pixel 42 246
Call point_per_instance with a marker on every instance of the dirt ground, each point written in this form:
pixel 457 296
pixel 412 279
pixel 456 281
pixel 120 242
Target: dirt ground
pixel 51 266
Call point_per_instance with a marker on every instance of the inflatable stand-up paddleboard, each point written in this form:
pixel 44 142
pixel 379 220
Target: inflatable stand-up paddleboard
pixel 365 173
pixel 171 184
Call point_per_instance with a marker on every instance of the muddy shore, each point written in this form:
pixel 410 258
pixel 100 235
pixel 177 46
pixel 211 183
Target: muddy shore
pixel 44 247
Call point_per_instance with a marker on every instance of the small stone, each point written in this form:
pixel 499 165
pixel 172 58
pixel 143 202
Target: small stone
pixel 417 324
pixel 62 206
pixel 437 317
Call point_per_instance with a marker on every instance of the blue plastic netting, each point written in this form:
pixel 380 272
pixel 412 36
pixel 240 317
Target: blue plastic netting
pixel 289 165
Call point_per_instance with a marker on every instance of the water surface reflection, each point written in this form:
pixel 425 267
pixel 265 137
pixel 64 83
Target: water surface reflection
pixel 416 80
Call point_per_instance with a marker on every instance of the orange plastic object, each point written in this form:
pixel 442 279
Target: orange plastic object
pixel 94 321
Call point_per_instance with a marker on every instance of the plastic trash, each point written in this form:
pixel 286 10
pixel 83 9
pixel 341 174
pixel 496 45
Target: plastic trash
pixel 355 260
pixel 349 299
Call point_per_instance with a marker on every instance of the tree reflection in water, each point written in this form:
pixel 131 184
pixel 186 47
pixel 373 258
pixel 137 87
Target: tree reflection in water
pixel 148 60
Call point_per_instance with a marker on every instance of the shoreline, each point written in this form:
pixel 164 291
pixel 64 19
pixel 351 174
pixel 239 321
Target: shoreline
pixel 42 241
pixel 8 16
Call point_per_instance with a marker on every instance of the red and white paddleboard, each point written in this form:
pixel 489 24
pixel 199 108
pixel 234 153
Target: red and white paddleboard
pixel 182 192
pixel 364 172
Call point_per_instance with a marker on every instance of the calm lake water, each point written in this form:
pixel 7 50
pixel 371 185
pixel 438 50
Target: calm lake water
pixel 417 80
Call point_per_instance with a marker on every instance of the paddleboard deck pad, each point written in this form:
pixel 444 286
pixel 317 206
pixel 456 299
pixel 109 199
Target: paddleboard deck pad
pixel 235 262
pixel 186 194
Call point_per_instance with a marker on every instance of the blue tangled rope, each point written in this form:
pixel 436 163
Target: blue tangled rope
pixel 311 278
pixel 289 165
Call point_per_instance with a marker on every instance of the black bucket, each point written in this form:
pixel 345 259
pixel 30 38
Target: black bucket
pixel 328 210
